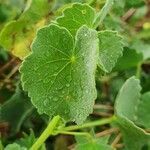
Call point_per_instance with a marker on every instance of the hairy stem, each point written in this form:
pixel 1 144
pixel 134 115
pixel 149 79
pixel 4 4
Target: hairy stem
pixel 90 124
pixel 75 133
pixel 47 132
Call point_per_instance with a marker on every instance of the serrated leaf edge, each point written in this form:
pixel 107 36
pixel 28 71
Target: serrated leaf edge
pixel 71 6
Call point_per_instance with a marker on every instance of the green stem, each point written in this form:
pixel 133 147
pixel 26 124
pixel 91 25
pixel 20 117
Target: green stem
pixel 75 133
pixel 102 14
pixel 47 132
pixel 138 71
pixel 90 124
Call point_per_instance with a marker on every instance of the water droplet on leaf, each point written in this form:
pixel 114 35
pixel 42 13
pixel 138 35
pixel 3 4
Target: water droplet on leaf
pixel 55 99
pixel 67 85
pixel 83 11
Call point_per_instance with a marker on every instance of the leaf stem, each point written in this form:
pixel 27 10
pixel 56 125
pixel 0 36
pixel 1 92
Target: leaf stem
pixel 75 133
pixel 138 71
pixel 90 124
pixel 47 132
pixel 102 14
pixel 50 129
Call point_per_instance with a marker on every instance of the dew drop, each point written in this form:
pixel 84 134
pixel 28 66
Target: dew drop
pixel 55 99
pixel 35 68
pixel 79 116
pixel 63 92
pixel 86 91
pixel 45 103
pixel 46 80
pixel 84 12
pixel 67 85
pixel 63 32
pixel 60 87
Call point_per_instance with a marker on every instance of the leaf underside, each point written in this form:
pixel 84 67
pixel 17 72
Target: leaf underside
pixel 59 75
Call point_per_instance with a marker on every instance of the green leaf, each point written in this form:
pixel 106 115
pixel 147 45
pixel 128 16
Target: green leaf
pixel 93 145
pixel 62 3
pixel 125 109
pixel 134 137
pixel 17 35
pixel 143 117
pixel 35 11
pixel 28 140
pixel 84 143
pixel 110 49
pixel 129 59
pixel 19 107
pixel 127 100
pixel 76 16
pixel 14 146
pixel 60 74
pixel 12 39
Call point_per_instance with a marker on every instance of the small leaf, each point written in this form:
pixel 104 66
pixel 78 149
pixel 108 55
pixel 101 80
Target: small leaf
pixel 60 4
pixel 84 143
pixel 14 146
pixel 94 145
pixel 143 117
pixel 76 16
pixel 125 109
pixel 134 137
pixel 127 100
pixel 110 49
pixel 28 140
pixel 60 75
